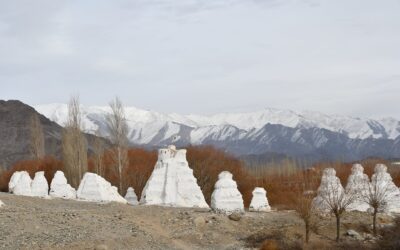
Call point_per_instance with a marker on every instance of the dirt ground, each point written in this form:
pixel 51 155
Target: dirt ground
pixel 34 223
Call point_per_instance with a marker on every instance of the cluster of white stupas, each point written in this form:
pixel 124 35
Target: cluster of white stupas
pixel 172 183
pixel 92 187
pixel 359 187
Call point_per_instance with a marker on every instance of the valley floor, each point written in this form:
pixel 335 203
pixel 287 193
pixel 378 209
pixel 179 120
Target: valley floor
pixel 33 223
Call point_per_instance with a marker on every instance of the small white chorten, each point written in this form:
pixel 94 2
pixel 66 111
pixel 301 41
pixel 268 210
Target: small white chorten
pixel 259 202
pixel 226 197
pixel 40 187
pixel 131 197
pixel 59 187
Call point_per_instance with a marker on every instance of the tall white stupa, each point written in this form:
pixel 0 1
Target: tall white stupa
pixel 172 182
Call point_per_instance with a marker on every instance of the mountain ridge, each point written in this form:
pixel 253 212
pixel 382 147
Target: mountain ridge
pixel 354 127
pixel 310 135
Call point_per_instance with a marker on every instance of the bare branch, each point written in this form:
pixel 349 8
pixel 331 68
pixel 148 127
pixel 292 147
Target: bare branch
pixel 74 144
pixel 118 131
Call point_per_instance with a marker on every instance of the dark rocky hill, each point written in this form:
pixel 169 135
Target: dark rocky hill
pixel 15 132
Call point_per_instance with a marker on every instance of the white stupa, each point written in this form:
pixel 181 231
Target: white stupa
pixel 131 197
pixel 172 182
pixel 95 188
pixel 60 188
pixel 40 187
pixel 330 188
pixel 226 197
pixel 383 181
pixel 13 181
pixel 259 202
pixel 20 184
pixel 357 184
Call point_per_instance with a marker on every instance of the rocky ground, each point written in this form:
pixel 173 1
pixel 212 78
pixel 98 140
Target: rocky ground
pixel 33 223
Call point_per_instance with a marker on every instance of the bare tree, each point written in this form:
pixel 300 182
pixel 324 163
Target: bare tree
pixel 303 202
pixel 333 198
pixel 118 131
pixel 37 137
pixel 377 194
pixel 74 144
pixel 98 152
pixel 305 209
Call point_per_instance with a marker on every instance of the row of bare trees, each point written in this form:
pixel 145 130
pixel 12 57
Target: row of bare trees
pixel 75 144
pixel 75 148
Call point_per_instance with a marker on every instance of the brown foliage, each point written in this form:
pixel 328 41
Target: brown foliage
pixel 140 166
pixel 207 162
pixel 282 183
pixel 48 164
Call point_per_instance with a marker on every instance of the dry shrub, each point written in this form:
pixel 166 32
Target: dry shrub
pixel 271 240
pixel 284 183
pixel 270 245
pixel 390 236
pixel 48 164
pixel 139 169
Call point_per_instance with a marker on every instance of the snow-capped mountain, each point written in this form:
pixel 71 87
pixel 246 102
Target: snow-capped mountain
pixel 268 130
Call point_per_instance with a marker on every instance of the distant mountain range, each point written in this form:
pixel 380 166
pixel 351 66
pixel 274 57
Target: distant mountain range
pixel 307 135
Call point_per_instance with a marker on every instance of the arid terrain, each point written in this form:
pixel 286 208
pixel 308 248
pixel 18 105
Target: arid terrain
pixel 33 223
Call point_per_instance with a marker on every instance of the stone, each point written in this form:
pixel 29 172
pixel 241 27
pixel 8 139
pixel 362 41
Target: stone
pixel 354 234
pixel 235 216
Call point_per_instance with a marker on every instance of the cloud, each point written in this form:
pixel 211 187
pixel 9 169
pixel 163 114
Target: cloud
pixel 204 56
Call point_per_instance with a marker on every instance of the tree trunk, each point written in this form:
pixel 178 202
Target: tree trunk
pixel 374 222
pixel 120 169
pixel 307 231
pixel 337 227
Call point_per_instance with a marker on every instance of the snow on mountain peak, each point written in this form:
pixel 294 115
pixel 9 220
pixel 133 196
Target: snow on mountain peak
pixel 145 126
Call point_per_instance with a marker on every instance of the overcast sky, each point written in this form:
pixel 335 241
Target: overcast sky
pixel 205 56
